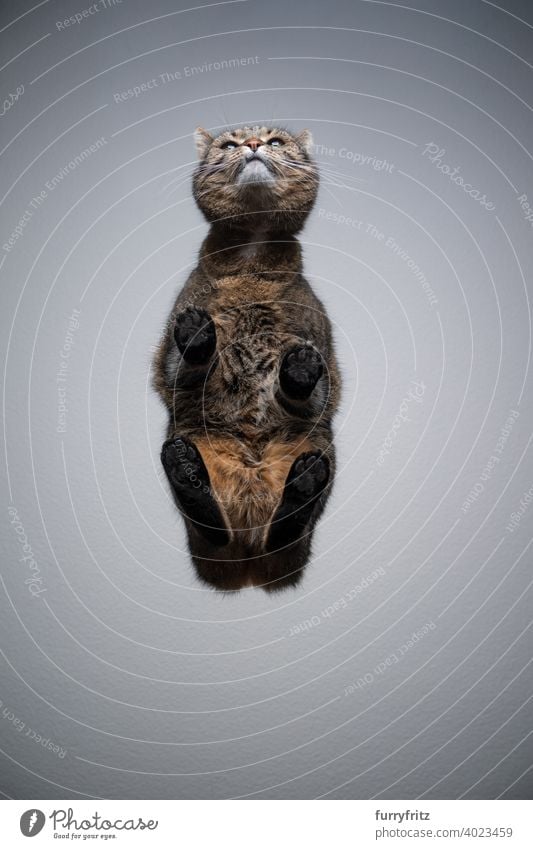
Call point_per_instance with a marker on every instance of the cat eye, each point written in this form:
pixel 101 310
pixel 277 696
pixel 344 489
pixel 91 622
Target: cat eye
pixel 275 142
pixel 229 145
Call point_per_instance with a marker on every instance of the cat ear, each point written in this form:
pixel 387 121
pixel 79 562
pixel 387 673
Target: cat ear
pixel 305 140
pixel 202 139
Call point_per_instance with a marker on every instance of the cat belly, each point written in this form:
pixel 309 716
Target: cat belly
pixel 248 480
pixel 248 345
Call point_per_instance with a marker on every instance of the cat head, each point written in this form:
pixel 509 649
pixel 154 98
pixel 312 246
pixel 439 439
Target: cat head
pixel 255 172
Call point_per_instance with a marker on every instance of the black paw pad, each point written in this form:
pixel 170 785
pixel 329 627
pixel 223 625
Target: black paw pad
pixel 190 483
pixel 308 475
pixel 300 371
pixel 306 481
pixel 195 335
pixel 184 466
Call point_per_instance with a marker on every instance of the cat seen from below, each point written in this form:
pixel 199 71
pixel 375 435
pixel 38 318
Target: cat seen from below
pixel 246 368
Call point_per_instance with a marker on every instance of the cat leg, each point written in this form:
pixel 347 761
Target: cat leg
pixel 306 481
pixel 301 368
pixel 191 487
pixel 196 340
pixel 195 336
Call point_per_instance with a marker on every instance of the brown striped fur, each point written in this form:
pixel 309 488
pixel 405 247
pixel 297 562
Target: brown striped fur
pixel 249 279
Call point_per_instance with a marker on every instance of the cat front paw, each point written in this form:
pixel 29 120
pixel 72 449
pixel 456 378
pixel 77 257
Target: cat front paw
pixel 195 335
pixel 301 369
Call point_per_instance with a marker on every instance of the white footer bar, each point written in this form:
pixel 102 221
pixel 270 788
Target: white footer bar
pixel 268 824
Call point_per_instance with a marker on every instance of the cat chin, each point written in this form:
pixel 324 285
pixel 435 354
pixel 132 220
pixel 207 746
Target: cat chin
pixel 255 173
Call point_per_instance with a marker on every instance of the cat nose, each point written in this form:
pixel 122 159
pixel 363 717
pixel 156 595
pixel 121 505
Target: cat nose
pixel 253 143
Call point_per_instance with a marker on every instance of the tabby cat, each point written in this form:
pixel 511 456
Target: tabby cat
pixel 246 367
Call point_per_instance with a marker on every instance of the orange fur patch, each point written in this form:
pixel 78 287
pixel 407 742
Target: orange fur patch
pixel 248 485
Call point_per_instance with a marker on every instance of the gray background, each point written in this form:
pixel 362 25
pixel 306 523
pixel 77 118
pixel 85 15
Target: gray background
pixel 152 685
